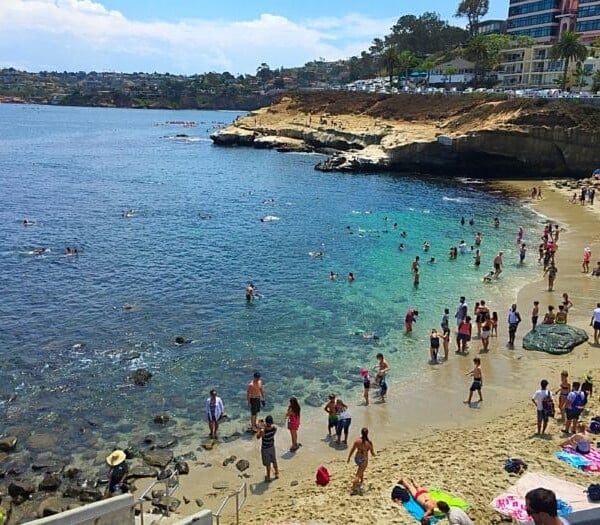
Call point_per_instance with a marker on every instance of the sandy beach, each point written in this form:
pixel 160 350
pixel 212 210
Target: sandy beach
pixel 425 431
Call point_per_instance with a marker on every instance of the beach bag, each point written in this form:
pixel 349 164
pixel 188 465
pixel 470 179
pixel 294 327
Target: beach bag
pixel 593 492
pixel 548 405
pixel 514 465
pixel 323 476
pixel 595 427
pixel 400 494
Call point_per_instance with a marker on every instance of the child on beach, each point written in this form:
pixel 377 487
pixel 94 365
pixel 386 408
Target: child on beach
pixel 477 380
pixel 382 368
pixel 331 414
pixel 366 378
pixel 446 342
pixel 535 314
pixel 495 323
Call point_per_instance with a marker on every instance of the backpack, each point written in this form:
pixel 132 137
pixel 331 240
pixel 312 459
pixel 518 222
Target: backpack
pixel 400 494
pixel 595 427
pixel 323 476
pixel 548 405
pixel 593 492
pixel 514 465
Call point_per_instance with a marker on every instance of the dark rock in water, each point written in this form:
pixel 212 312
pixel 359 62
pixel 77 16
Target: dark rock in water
pixel 3 458
pixel 182 135
pixel 141 376
pixel 90 495
pixel 180 340
pixel 189 456
pixel 170 443
pixel 554 338
pixel 47 467
pixel 142 472
pixel 314 399
pixel 131 451
pixel 232 437
pixel 50 483
pixel 8 443
pixel 164 474
pixel 161 419
pixel 182 467
pixel 20 489
pixel 72 473
pixel 242 465
pixel 209 444
pixel 158 458
pixel 149 439
pixel 167 503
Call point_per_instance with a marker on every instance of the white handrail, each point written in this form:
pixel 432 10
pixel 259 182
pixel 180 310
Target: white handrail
pixel 238 504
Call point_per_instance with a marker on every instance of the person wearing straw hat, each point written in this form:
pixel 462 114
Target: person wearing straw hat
pixel 119 469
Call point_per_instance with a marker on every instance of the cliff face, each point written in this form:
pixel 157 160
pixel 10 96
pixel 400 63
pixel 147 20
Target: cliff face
pixel 469 135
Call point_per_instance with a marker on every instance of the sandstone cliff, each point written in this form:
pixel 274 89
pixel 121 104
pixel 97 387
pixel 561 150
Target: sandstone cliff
pixel 458 134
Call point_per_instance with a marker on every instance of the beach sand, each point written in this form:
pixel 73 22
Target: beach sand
pixel 425 431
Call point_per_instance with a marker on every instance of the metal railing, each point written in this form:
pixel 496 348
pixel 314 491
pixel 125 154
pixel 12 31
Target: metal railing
pixel 170 489
pixel 238 503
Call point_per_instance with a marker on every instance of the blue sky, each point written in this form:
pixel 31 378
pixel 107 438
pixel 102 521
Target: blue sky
pixel 195 36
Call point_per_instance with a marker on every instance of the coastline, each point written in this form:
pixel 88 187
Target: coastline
pixel 459 449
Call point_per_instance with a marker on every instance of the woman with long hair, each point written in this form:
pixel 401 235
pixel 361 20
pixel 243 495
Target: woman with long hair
pixel 293 418
pixel 362 446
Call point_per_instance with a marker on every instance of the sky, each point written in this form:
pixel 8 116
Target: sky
pixel 196 36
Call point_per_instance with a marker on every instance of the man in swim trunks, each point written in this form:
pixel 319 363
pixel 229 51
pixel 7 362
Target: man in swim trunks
pixel 498 263
pixel 256 397
pixel 421 496
pixel 595 322
pixel 249 292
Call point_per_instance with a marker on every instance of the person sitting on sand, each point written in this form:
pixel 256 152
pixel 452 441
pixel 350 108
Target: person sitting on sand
pixel 455 515
pixel 422 497
pixel 579 441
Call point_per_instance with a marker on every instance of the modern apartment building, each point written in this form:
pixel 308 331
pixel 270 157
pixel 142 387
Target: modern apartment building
pixel 545 20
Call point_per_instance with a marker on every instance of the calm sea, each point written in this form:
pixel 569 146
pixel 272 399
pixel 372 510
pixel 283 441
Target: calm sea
pixel 74 328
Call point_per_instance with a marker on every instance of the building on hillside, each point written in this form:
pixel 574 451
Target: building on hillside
pixel 546 20
pixel 488 27
pixel 464 73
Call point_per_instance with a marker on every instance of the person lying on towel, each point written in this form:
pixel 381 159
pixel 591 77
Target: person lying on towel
pixel 421 496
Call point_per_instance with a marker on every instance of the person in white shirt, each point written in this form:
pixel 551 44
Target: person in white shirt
pixel 455 515
pixel 538 401
pixel 215 410
pixel 595 322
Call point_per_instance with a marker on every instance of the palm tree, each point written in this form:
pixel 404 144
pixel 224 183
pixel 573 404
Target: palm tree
pixel 427 65
pixel 407 62
pixel 390 62
pixel 448 72
pixel 568 48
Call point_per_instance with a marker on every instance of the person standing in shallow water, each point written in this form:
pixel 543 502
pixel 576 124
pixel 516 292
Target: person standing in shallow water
pixel 331 414
pixel 477 383
pixel 215 410
pixel 362 446
pixel 514 318
pixel 255 394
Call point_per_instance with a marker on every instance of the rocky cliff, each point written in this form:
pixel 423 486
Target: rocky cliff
pixel 466 134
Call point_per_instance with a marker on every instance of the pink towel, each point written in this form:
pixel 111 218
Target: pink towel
pixel 593 456
pixel 512 506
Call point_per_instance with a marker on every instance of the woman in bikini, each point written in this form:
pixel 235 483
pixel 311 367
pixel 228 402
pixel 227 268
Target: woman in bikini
pixel 293 417
pixel 362 445
pixel 421 496
pixel 563 392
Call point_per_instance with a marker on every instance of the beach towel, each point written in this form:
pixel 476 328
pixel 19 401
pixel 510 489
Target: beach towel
pixel 452 501
pixel 515 507
pixel 415 510
pixel 571 494
pixel 575 460
pixel 590 462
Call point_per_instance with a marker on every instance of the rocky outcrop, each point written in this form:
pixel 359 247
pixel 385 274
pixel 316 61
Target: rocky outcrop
pixel 554 338
pixel 470 135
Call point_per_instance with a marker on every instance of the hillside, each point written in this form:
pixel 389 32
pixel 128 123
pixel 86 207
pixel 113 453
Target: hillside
pixel 469 134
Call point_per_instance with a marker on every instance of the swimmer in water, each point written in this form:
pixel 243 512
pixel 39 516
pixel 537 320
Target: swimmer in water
pixel 403 234
pixel 332 276
pixel 488 278
pixel 432 260
pixel 426 246
pixel 27 222
pixel 401 247
pixel 351 277
pixel 249 292
pixel 40 251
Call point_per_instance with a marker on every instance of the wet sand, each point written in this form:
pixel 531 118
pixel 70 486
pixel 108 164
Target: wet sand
pixel 425 430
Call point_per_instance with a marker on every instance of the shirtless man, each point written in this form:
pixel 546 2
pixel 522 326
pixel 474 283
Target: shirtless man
pixel 415 265
pixel 255 395
pixel 421 496
pixel 249 292
pixel 383 367
pixel 498 263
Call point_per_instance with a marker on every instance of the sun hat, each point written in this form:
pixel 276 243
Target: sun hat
pixel 364 372
pixel 116 457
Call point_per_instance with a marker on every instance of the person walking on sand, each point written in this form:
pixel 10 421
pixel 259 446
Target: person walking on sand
pixel 477 380
pixel 514 318
pixel 266 431
pixel 343 422
pixel 551 271
pixel 595 322
pixel 331 414
pixel 563 394
pixel 362 446
pixel 587 257
pixel 255 394
pixel 293 422
pixel 215 410
pixel 538 400
pixel 366 379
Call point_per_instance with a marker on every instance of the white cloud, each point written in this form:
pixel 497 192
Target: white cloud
pixel 84 35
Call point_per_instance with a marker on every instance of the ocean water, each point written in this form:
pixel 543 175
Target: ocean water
pixel 74 328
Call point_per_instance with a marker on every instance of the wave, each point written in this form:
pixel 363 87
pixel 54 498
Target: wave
pixel 455 199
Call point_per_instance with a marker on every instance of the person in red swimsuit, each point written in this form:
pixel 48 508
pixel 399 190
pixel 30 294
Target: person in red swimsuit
pixel 421 496
pixel 293 417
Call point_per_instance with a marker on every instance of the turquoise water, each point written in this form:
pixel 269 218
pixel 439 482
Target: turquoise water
pixel 73 328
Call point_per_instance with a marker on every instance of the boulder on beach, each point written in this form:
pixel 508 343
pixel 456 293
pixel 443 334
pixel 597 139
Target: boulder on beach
pixel 554 338
pixel 158 458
